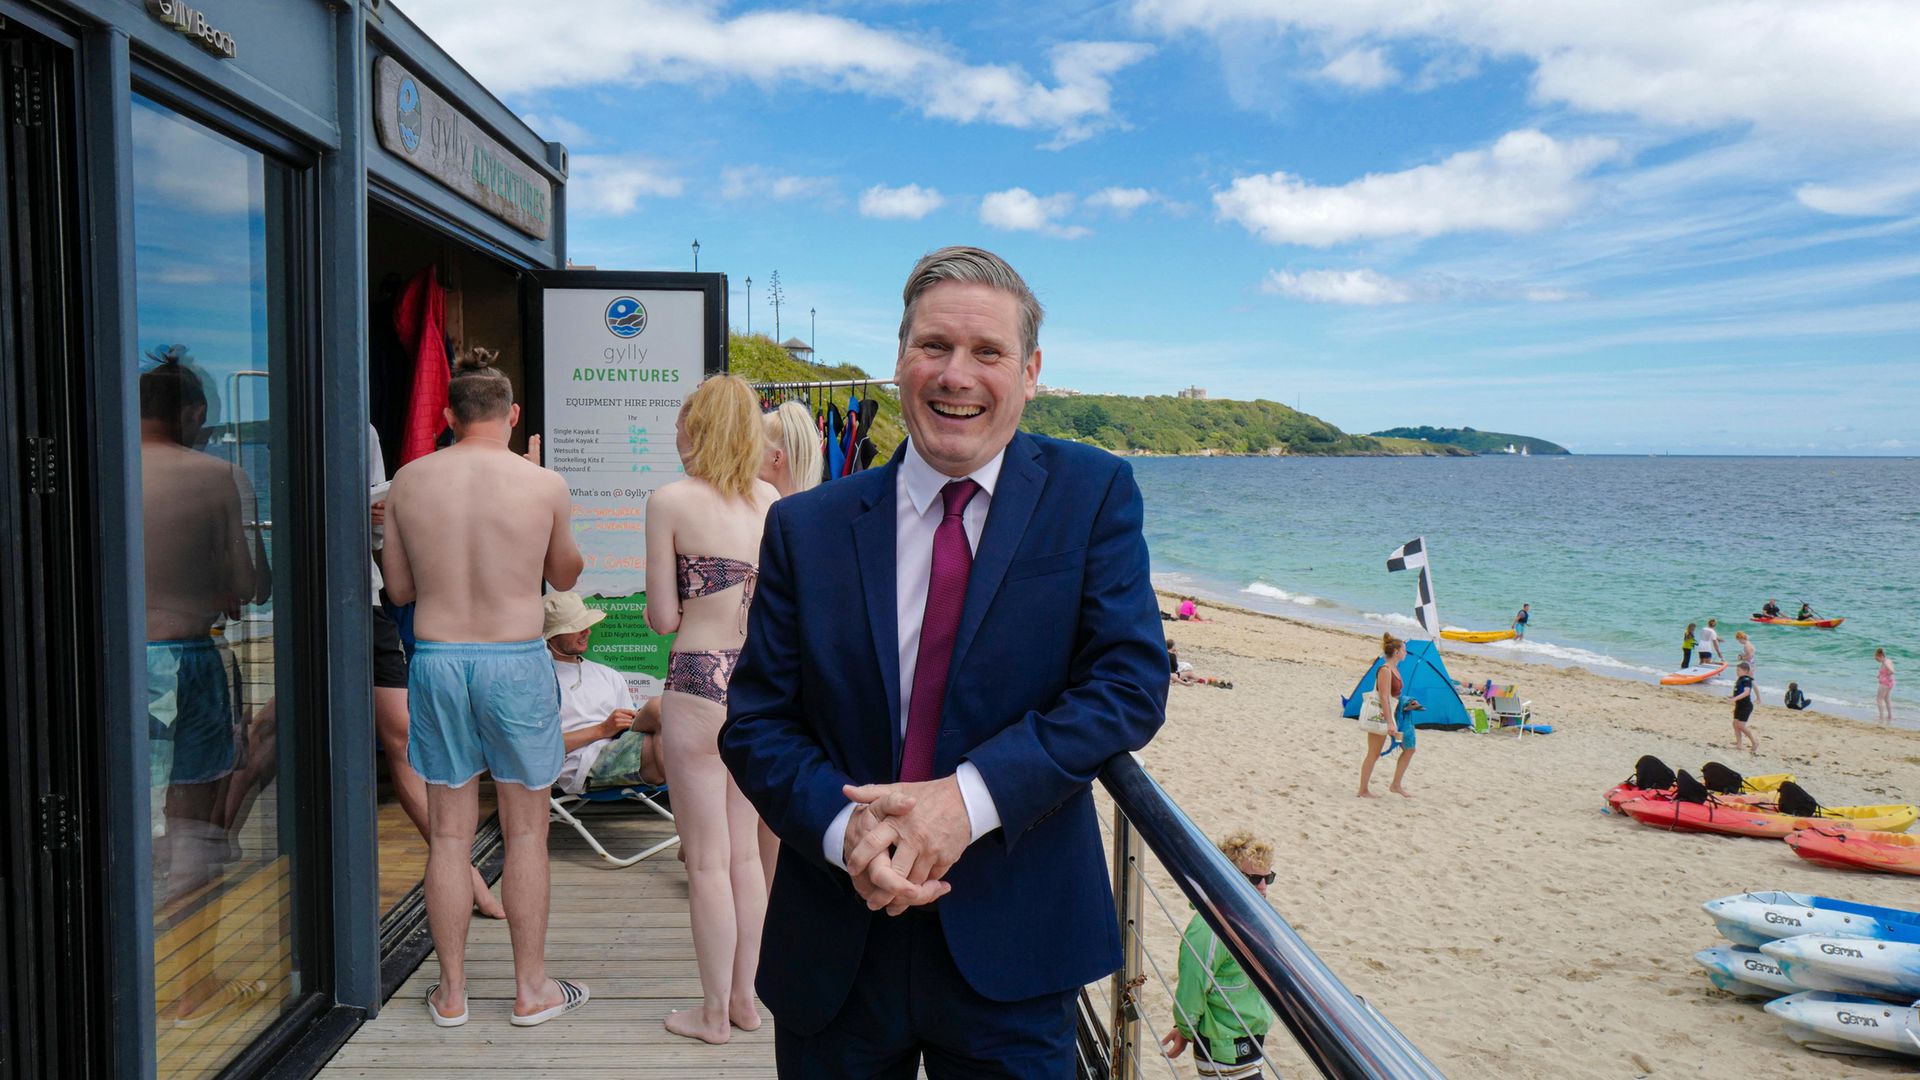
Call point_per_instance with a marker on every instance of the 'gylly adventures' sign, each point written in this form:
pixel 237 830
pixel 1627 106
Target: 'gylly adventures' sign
pixel 435 137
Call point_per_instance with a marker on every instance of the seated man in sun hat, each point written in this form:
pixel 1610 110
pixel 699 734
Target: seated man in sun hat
pixel 607 740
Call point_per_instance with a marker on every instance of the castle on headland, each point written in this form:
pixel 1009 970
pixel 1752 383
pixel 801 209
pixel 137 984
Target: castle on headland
pixel 1193 393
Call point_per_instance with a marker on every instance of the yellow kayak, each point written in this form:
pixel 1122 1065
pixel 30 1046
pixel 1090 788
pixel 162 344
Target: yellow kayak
pixel 1477 635
pixel 1888 818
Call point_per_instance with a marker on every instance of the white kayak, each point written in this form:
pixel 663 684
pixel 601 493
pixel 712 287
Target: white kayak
pixel 1744 972
pixel 1755 918
pixel 1889 969
pixel 1849 1024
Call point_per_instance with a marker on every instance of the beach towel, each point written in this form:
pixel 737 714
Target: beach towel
pixel 419 318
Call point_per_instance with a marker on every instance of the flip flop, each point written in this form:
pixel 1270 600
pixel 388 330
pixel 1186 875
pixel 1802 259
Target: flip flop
pixel 440 1019
pixel 572 996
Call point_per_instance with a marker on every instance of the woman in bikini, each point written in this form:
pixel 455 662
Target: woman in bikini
pixel 1384 718
pixel 1883 698
pixel 703 541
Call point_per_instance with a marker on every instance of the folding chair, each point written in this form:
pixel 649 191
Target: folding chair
pixel 1511 709
pixel 644 794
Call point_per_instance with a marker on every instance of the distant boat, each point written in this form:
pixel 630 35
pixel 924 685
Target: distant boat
pixel 1524 452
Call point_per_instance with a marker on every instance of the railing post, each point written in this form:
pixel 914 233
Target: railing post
pixel 1128 897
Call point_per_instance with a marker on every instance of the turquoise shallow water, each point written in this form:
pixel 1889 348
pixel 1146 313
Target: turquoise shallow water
pixel 1616 554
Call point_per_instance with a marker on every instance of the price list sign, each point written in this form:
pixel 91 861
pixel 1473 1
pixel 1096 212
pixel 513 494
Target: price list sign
pixel 618 364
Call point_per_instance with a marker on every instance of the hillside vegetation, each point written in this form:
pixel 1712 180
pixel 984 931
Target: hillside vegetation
pixel 760 359
pixel 1480 442
pixel 1172 425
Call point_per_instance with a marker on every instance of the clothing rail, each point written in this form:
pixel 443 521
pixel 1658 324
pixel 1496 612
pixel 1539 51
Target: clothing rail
pixel 829 384
pixel 1347 1038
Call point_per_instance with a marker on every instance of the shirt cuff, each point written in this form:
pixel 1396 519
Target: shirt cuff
pixel 982 816
pixel 834 847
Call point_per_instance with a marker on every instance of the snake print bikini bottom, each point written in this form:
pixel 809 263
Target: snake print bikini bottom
pixel 702 674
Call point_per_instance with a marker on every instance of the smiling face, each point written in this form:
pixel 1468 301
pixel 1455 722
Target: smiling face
pixel 963 384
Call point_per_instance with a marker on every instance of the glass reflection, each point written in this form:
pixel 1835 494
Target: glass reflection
pixel 210 220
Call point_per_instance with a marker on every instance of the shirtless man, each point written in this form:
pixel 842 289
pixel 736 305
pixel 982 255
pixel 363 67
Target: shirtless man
pixel 471 532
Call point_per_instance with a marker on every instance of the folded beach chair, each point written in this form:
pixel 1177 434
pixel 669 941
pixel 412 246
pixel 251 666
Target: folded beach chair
pixel 647 795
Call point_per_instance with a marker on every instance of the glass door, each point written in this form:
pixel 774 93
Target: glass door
pixel 217 258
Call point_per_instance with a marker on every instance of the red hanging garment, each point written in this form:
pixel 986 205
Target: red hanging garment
pixel 419 317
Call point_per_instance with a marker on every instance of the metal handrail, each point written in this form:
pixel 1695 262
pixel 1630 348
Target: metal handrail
pixel 1347 1038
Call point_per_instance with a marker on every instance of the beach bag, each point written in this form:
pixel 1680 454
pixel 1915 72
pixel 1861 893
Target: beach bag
pixel 1651 774
pixel 1376 725
pixel 1795 802
pixel 1687 789
pixel 1722 780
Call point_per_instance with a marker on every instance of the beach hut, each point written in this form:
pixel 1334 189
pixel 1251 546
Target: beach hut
pixel 1426 681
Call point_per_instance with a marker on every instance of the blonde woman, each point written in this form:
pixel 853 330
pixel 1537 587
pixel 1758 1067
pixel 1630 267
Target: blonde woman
pixel 1386 717
pixel 703 535
pixel 1216 1007
pixel 1746 648
pixel 1883 699
pixel 793 449
pixel 792 464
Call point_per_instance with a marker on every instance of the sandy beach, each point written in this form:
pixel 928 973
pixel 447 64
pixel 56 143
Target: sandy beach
pixel 1505 923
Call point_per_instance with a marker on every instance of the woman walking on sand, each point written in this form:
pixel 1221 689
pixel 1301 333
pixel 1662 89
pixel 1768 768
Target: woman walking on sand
pixel 1883 700
pixel 1744 695
pixel 1380 722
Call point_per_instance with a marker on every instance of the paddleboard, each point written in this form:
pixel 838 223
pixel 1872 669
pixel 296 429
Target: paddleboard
pixel 1744 972
pixel 1889 969
pixel 1755 918
pixel 1477 636
pixel 1696 674
pixel 1849 1024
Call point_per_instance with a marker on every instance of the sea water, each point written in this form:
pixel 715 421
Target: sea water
pixel 1615 554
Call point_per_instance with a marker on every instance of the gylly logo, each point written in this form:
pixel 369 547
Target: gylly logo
pixel 406 112
pixel 626 317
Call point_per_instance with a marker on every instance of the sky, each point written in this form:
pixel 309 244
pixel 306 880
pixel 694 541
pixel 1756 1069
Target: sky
pixel 1620 225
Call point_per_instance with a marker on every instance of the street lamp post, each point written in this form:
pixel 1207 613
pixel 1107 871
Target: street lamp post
pixel 696 256
pixel 749 307
pixel 810 335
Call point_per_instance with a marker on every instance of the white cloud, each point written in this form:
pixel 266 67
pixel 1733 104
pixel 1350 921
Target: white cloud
pixel 1371 287
pixel 1336 286
pixel 640 41
pixel 1525 181
pixel 1842 68
pixel 910 202
pixel 614 184
pixel 1878 199
pixel 559 129
pixel 1020 210
pixel 1119 200
pixel 739 182
pixel 1360 69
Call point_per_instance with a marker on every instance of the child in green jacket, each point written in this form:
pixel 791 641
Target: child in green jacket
pixel 1216 1007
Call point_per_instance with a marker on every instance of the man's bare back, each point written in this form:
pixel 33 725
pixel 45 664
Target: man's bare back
pixel 472 531
pixel 197 561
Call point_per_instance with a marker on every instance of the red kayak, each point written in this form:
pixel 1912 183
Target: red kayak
pixel 1621 794
pixel 1845 849
pixel 1715 818
pixel 1781 620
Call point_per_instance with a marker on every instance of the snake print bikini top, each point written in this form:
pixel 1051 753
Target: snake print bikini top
pixel 704 575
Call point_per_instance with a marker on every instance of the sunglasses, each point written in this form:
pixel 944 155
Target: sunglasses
pixel 1262 879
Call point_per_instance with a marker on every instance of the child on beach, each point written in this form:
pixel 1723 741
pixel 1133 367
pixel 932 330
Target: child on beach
pixel 1686 648
pixel 1744 694
pixel 1796 697
pixel 1216 1006
pixel 1746 649
pixel 1883 699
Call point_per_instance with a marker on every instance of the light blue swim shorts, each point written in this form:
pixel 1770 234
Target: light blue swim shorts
pixel 189 712
pixel 486 707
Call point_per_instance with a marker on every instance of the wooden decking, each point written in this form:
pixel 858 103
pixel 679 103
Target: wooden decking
pixel 622 932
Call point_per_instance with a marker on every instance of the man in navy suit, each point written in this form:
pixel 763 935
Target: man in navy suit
pixel 941 655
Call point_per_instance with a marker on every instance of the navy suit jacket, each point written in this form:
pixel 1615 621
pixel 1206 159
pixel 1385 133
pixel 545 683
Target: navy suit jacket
pixel 1059 664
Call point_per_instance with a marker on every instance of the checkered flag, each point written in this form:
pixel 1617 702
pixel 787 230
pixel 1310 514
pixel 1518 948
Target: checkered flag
pixel 1412 555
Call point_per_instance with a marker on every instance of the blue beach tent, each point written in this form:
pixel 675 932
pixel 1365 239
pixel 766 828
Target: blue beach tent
pixel 1426 681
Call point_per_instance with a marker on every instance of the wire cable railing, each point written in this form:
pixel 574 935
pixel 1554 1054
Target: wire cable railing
pixel 1345 1037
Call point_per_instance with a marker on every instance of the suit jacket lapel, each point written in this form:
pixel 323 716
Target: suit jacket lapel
pixel 1014 499
pixel 875 549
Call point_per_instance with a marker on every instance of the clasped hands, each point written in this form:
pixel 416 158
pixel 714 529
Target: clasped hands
pixel 902 839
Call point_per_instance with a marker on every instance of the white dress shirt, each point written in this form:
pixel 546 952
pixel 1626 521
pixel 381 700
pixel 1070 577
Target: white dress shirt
pixel 917 514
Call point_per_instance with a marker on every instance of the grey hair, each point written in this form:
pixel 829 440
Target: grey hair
pixel 974 266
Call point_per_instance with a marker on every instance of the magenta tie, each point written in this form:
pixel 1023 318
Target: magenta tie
pixel 946 595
